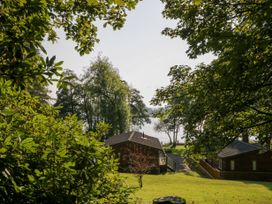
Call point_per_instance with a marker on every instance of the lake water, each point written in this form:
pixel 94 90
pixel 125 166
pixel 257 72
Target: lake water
pixel 148 129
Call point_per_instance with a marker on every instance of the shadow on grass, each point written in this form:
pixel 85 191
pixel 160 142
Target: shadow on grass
pixel 266 184
pixel 195 167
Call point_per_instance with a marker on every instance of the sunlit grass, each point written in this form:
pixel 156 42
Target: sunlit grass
pixel 179 149
pixel 197 190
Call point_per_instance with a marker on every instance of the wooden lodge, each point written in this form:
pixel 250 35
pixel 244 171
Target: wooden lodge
pixel 241 161
pixel 138 152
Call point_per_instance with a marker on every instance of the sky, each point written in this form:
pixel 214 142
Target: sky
pixel 139 51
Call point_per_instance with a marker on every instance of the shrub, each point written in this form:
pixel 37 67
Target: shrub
pixel 46 159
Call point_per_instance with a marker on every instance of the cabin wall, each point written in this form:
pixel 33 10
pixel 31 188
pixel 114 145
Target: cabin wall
pixel 244 162
pixel 126 152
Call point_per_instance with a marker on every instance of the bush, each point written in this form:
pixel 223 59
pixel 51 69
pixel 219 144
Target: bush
pixel 46 159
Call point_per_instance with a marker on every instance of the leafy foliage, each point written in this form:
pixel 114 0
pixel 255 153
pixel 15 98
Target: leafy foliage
pixel 105 97
pixel 138 109
pixel 231 97
pixel 69 95
pixel 101 95
pixel 171 116
pixel 44 159
pixel 25 24
pixel 39 90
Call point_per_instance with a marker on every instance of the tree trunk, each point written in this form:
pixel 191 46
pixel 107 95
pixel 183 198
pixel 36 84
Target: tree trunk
pixel 140 181
pixel 268 142
pixel 174 144
pixel 170 139
pixel 245 137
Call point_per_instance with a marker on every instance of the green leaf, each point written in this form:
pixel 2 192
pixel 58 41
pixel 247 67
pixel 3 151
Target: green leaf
pixel 59 63
pixel 29 145
pixel 119 2
pixel 2 150
pixel 31 178
pixel 197 2
pixel 62 152
pixel 8 140
pixel 42 49
pixel 51 62
pixel 37 172
pixel 7 111
pixel 16 187
pixel 68 165
pixel 92 2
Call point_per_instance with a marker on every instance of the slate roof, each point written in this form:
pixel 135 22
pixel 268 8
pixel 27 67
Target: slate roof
pixel 136 137
pixel 237 147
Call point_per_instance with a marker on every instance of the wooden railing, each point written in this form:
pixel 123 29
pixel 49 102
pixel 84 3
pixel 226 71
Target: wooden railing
pixel 215 173
pixel 236 175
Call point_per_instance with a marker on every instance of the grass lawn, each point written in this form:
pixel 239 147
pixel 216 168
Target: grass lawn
pixel 179 149
pixel 201 190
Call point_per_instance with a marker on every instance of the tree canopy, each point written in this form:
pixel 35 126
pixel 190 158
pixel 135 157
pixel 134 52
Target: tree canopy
pixel 231 97
pixel 26 23
pixel 69 95
pixel 105 97
pixel 102 95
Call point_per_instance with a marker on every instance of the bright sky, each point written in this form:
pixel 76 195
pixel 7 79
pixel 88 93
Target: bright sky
pixel 141 54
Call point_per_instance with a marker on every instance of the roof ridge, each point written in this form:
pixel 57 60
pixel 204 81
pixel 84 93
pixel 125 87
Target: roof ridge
pixel 247 143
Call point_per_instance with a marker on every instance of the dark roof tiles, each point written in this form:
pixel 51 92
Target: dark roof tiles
pixel 237 147
pixel 136 137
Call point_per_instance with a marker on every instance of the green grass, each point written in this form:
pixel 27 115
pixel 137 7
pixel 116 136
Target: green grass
pixel 197 190
pixel 179 149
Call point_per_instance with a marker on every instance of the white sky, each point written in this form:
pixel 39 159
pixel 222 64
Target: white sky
pixel 141 54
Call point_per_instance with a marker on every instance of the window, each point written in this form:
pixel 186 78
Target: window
pixel 162 159
pixel 254 165
pixel 232 165
pixel 220 164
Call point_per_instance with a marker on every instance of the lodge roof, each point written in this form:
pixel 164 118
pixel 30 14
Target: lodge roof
pixel 135 137
pixel 236 148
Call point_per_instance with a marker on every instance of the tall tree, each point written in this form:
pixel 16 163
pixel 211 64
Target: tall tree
pixel 39 90
pixel 101 95
pixel 105 97
pixel 171 116
pixel 69 95
pixel 138 109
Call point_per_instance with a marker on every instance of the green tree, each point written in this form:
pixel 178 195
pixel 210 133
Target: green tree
pixel 138 109
pixel 24 24
pixel 171 116
pixel 39 90
pixel 101 95
pixel 105 97
pixel 69 96
pixel 162 126
pixel 45 159
pixel 232 95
